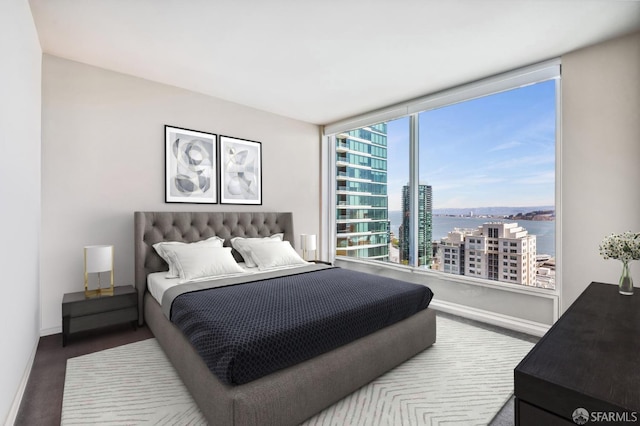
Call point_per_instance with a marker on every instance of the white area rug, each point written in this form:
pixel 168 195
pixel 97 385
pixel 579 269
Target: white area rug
pixel 134 384
pixel 463 379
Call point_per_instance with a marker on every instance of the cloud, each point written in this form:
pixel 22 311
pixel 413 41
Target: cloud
pixel 538 179
pixel 523 162
pixel 506 145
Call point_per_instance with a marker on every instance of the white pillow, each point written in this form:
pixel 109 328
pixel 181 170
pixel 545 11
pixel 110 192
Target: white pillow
pixel 166 247
pixel 197 262
pixel 243 244
pixel 275 254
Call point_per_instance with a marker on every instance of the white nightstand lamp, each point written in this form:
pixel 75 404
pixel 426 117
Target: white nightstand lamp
pixel 98 259
pixel 308 243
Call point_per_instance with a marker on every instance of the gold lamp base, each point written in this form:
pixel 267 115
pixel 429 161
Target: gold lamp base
pixel 99 292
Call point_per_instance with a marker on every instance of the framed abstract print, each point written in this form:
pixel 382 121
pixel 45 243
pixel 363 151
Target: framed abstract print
pixel 240 171
pixel 190 166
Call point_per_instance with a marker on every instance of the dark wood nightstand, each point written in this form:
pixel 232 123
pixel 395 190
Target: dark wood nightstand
pixel 81 313
pixel 322 262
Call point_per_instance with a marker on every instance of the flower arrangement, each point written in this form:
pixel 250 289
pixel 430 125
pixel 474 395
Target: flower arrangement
pixel 624 247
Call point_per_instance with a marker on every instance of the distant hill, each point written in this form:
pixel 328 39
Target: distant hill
pixel 492 211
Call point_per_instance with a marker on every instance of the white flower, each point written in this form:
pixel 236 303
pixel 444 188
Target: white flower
pixel 624 247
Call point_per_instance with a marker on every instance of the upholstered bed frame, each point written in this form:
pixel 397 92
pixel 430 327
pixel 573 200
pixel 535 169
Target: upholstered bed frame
pixel 286 397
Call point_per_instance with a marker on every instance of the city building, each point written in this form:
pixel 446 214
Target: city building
pixel 501 252
pixel 496 251
pixel 450 252
pixel 425 225
pixel 361 193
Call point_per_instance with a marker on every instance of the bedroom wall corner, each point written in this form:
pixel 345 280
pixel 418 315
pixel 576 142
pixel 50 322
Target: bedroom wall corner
pixel 103 159
pixel 20 191
pixel 601 151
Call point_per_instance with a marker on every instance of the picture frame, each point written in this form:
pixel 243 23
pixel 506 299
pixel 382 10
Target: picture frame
pixel 240 171
pixel 190 166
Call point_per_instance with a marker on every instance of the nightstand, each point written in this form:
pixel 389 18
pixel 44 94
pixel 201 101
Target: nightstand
pixel 81 313
pixel 322 262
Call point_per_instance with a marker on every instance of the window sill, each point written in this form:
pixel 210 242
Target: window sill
pixel 526 309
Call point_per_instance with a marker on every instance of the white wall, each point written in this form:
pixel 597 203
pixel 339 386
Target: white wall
pixel 19 197
pixel 601 159
pixel 103 159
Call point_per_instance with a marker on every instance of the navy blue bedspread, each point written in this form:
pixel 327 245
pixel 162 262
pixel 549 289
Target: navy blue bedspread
pixel 246 331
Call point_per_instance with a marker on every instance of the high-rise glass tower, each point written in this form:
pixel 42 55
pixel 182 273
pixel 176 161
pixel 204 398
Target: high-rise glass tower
pixel 361 193
pixel 425 225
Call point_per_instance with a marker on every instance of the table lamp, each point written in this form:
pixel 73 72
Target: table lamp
pixel 98 259
pixel 308 243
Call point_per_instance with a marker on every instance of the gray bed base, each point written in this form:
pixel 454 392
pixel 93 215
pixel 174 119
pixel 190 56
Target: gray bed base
pixel 289 396
pixel 286 397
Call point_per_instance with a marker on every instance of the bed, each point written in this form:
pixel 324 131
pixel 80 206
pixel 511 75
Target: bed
pixel 286 396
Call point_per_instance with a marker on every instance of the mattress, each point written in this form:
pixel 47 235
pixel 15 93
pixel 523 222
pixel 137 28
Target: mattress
pixel 247 331
pixel 158 283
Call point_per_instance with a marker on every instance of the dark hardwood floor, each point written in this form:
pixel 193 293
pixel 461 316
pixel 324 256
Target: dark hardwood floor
pixel 42 400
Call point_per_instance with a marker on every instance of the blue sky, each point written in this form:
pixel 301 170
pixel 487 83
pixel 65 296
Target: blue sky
pixel 498 150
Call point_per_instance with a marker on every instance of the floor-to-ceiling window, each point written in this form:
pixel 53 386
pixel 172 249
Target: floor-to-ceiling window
pixel 490 162
pixel 462 183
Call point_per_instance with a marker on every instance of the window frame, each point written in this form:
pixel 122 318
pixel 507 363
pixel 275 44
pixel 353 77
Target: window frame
pixel 548 70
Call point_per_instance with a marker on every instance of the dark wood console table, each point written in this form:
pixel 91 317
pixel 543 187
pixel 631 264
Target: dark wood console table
pixel 590 359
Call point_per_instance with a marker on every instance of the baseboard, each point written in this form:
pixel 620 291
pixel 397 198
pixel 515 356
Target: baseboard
pixel 50 331
pixel 511 323
pixel 15 406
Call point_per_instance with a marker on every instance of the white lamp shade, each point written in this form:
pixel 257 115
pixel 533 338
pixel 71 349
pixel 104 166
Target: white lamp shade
pixel 308 242
pixel 98 258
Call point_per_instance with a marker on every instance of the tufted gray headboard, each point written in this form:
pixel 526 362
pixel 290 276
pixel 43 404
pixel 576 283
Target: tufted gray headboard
pixel 154 227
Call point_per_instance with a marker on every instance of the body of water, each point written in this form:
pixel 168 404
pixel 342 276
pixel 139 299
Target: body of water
pixel 543 230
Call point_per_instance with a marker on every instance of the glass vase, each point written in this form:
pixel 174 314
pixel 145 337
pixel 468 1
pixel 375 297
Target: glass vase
pixel 625 285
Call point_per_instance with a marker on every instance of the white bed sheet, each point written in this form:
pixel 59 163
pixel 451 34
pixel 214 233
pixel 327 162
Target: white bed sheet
pixel 158 283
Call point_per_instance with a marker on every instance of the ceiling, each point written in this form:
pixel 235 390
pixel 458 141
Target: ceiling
pixel 323 60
